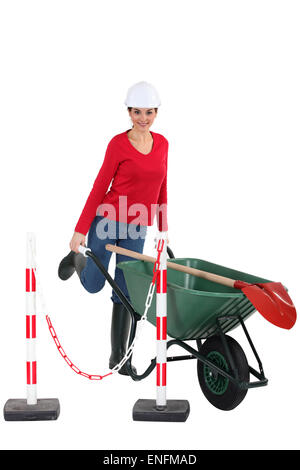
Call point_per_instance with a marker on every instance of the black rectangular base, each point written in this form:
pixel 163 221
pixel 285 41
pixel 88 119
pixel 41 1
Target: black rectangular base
pixel 18 410
pixel 175 411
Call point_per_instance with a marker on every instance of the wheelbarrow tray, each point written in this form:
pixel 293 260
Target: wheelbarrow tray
pixel 196 307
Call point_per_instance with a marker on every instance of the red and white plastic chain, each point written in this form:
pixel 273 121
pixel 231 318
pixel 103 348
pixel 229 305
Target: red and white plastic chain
pixel 130 349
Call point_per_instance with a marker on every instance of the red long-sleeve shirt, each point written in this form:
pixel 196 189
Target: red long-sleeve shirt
pixel 139 188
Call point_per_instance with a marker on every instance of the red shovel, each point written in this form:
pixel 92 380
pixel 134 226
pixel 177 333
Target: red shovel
pixel 270 299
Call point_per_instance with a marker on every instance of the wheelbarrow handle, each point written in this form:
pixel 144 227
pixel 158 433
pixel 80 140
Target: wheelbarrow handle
pixel 225 281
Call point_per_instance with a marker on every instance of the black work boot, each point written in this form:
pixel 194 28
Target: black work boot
pixel 120 328
pixel 71 263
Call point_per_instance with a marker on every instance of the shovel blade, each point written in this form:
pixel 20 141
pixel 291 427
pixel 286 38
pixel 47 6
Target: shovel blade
pixel 272 301
pixel 282 299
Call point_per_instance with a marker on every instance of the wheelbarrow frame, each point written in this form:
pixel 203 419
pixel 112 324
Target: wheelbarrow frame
pixel 193 353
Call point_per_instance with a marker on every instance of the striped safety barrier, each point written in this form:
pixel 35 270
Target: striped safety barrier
pixel 161 327
pixel 31 362
pixel 31 408
pixel 161 409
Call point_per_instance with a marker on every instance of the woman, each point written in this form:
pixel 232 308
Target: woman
pixel 136 163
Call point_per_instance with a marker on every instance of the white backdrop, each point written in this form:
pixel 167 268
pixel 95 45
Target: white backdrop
pixel 228 76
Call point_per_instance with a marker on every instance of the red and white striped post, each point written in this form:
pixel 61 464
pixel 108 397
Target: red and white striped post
pixel 31 408
pixel 31 361
pixel 161 325
pixel 161 409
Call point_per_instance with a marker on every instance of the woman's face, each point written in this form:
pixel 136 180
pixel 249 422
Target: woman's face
pixel 142 118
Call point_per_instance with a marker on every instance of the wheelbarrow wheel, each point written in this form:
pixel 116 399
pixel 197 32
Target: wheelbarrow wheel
pixel 219 390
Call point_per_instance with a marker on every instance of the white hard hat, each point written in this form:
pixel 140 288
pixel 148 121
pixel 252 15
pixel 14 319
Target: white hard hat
pixel 142 95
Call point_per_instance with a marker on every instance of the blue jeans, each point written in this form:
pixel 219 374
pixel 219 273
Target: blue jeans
pixel 103 231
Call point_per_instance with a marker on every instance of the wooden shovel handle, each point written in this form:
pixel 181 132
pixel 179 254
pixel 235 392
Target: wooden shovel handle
pixel 225 281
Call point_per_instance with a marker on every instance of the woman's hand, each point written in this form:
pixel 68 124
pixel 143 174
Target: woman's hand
pixel 77 239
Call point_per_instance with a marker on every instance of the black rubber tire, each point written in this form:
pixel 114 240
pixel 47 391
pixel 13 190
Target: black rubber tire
pixel 219 391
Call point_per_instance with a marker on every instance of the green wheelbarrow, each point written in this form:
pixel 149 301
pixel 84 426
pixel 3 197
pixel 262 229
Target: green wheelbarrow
pixel 202 311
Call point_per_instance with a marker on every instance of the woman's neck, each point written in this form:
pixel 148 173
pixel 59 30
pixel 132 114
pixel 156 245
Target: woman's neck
pixel 139 136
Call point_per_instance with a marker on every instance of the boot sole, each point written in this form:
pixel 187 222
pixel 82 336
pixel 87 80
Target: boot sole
pixel 123 370
pixel 65 269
